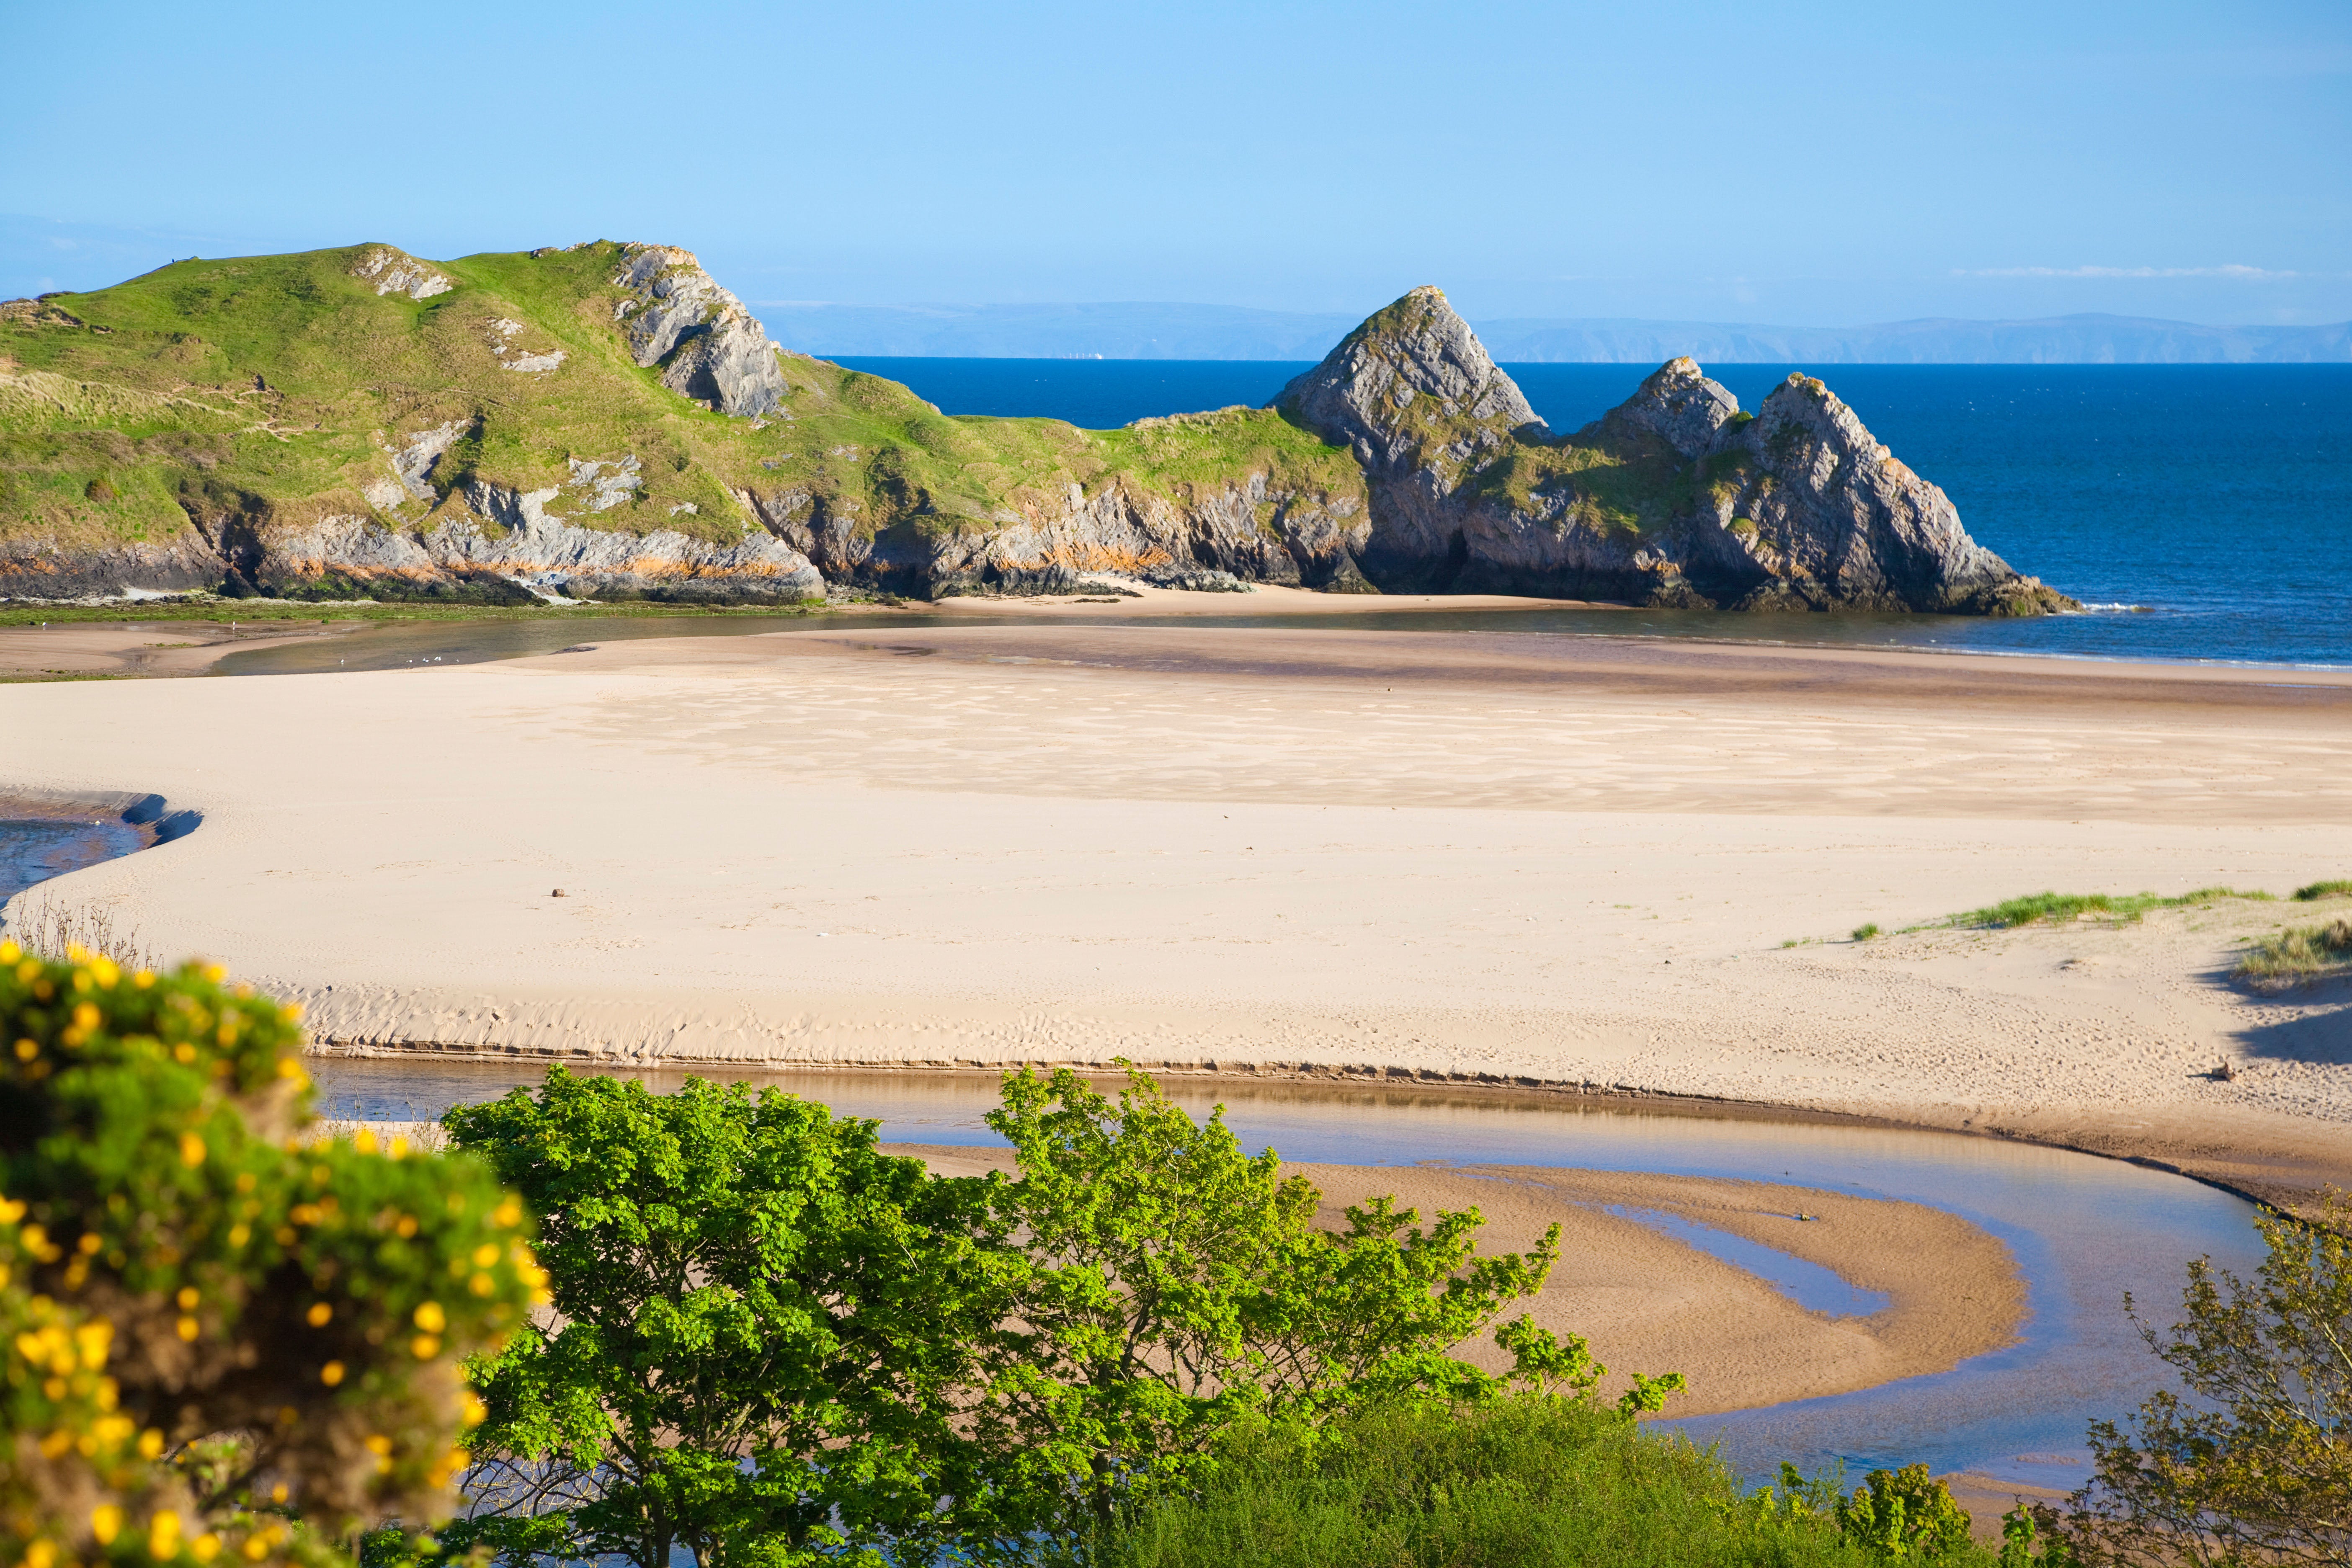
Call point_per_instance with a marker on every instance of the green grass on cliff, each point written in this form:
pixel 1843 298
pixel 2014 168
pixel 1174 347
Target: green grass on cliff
pixel 275 384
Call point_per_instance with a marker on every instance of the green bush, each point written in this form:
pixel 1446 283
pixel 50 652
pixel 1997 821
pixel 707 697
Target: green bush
pixel 1533 1481
pixel 225 1337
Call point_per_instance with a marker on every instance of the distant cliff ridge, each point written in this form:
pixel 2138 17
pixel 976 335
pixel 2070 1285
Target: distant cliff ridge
pixel 1142 331
pixel 606 421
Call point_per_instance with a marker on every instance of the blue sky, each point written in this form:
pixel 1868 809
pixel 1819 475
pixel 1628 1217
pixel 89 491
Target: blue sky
pixel 1815 164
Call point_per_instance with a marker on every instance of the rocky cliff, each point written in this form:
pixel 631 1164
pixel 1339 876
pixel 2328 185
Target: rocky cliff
pixel 1676 498
pixel 606 421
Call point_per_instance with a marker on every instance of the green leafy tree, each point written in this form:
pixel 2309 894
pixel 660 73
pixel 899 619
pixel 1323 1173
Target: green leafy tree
pixel 2254 1465
pixel 1178 1285
pixel 1898 1516
pixel 760 1323
pixel 224 1337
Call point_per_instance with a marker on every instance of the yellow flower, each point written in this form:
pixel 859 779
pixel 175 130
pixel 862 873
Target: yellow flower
pixel 331 1373
pixel 431 1318
pixel 485 1255
pixel 424 1347
pixel 164 1535
pixel 319 1314
pixel 94 1340
pixel 105 1523
pixel 191 1150
pixel 188 1328
pixel 206 1547
pixel 365 1141
pixel 151 1444
pixel 378 1443
pixel 41 1555
pixel 188 1298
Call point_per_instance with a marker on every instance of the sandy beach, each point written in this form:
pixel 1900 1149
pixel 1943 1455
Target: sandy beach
pixel 1487 858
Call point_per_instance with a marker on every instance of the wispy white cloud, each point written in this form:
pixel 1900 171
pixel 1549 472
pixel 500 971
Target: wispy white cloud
pixel 2241 274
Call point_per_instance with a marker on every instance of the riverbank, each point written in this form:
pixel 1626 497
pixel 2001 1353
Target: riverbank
pixel 1496 860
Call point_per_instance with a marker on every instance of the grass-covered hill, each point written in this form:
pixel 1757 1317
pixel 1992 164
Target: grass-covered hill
pixel 606 421
pixel 253 420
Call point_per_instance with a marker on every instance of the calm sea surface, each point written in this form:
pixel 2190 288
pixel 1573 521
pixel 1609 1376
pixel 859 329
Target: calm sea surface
pixel 2205 509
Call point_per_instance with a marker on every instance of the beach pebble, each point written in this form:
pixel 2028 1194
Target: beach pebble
pixel 557 894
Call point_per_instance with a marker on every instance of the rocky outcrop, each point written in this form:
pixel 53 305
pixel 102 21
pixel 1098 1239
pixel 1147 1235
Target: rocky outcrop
pixel 45 568
pixel 1221 538
pixel 1676 498
pixel 507 546
pixel 709 347
pixel 397 272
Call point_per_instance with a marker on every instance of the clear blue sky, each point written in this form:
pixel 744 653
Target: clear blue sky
pixel 1812 164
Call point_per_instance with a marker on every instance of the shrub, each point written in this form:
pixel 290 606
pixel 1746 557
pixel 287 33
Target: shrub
pixel 1864 932
pixel 2254 1463
pixel 2341 888
pixel 222 1338
pixel 1532 1481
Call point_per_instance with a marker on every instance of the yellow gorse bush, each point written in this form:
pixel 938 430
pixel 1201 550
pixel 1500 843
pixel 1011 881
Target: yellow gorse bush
pixel 222 1337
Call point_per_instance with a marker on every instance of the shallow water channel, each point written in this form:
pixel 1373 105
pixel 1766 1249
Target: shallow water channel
pixel 2083 1230
pixel 419 644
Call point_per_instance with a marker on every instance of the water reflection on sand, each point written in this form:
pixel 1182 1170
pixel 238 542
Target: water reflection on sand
pixel 2085 1230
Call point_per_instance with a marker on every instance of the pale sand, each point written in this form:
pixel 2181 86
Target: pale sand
pixel 1647 1302
pixel 1495 857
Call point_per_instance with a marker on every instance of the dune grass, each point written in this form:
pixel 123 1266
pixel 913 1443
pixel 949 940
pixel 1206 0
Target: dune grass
pixel 2058 909
pixel 2304 952
pixel 2341 888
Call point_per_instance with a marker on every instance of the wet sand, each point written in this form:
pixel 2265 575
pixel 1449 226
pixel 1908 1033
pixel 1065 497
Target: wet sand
pixel 1453 856
pixel 83 649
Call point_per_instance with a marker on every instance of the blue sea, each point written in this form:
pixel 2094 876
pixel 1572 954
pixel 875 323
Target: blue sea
pixel 2204 511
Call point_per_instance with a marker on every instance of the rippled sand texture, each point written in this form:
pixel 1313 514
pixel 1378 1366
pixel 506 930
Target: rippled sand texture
pixel 1511 856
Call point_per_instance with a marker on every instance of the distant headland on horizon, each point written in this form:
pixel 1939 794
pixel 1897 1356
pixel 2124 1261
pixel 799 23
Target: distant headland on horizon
pixel 1144 329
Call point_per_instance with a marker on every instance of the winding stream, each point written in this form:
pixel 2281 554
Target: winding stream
pixel 2085 1230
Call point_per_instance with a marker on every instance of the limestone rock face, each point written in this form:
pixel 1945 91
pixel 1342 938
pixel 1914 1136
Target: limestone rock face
pixel 1678 405
pixel 397 272
pixel 1838 520
pixel 1411 387
pixel 1675 499
pixel 1246 530
pixel 715 350
pixel 506 546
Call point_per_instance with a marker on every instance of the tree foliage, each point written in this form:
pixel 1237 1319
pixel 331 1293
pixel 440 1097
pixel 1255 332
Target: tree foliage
pixel 760 1323
pixel 224 1336
pixel 2254 1464
pixel 1176 1285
